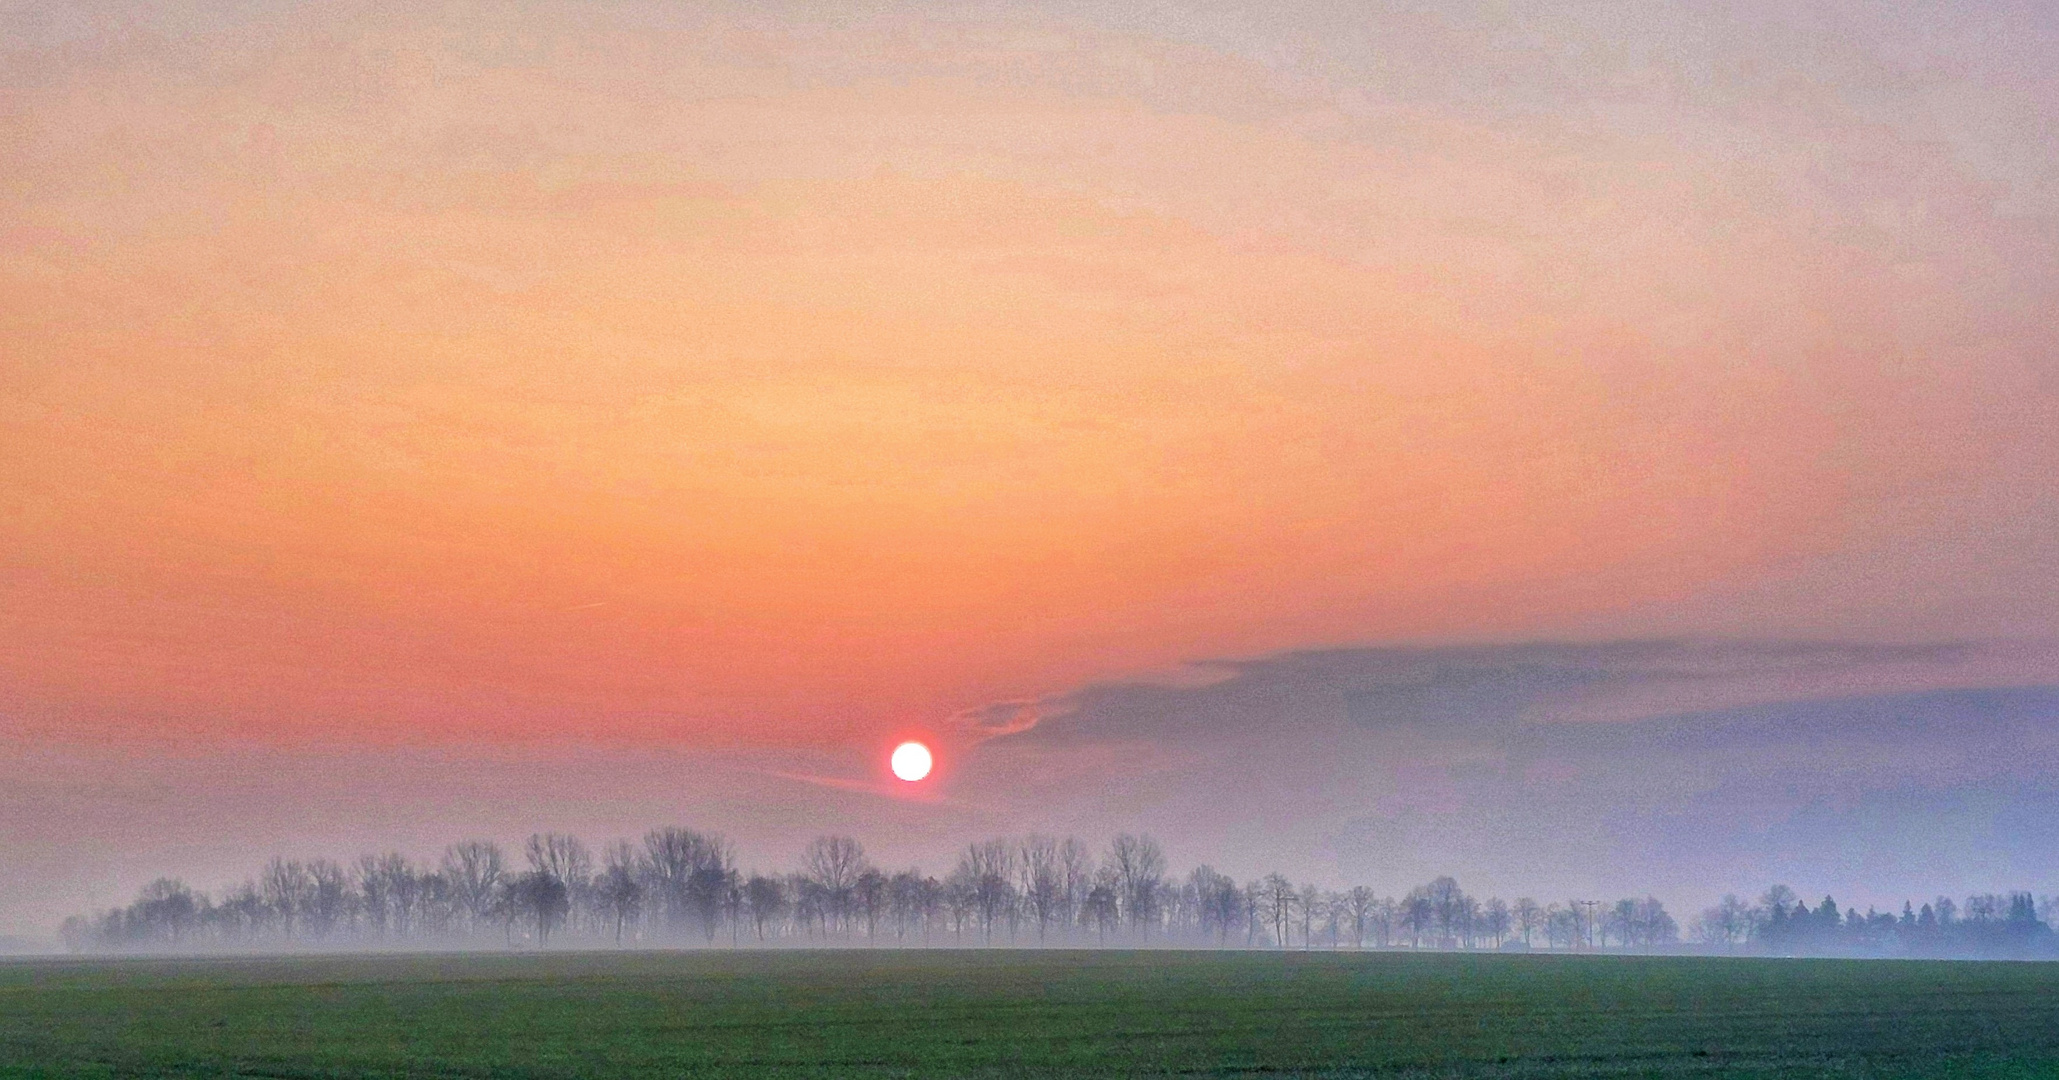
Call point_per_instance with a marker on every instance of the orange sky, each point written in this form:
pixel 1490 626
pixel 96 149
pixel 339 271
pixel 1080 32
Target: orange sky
pixel 554 372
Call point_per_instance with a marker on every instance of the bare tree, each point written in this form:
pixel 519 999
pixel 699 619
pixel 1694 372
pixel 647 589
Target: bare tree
pixel 1139 866
pixel 619 891
pixel 907 903
pixel 1077 867
pixel 287 889
pixel 166 911
pixel 1385 918
pixel 1775 902
pixel 1279 899
pixel 1310 903
pixel 766 899
pixel 1497 920
pixel 1336 910
pixel 1642 924
pixel 834 863
pixel 710 882
pixel 1529 918
pixel 804 898
pixel 935 900
pixel 1418 915
pixel 733 905
pixel 392 879
pixel 1217 900
pixel 474 870
pixel 541 897
pixel 373 903
pixel 869 900
pixel 961 898
pixel 1448 909
pixel 1103 907
pixel 329 896
pixel 672 857
pixel 436 910
pixel 984 868
pixel 1360 901
pixel 562 857
pixel 565 860
pixel 1042 878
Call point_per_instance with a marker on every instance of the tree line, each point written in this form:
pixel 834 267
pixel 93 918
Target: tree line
pixel 681 887
pixel 1991 925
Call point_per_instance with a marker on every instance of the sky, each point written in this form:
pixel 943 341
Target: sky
pixel 1577 447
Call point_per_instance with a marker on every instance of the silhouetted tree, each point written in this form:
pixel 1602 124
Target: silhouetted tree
pixel 1139 867
pixel 679 877
pixel 474 869
pixel 1279 898
pixel 1529 918
pixel 834 863
pixel 540 897
pixel 619 890
pixel 1042 881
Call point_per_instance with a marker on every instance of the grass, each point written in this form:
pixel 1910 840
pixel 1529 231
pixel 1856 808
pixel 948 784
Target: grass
pixel 1032 1014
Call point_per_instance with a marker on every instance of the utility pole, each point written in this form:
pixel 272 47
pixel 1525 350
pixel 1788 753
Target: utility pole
pixel 1587 924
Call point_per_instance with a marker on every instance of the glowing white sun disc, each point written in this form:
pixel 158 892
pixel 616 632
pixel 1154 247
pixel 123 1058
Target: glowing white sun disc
pixel 911 761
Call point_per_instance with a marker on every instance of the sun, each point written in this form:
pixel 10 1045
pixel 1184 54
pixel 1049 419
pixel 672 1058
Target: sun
pixel 911 761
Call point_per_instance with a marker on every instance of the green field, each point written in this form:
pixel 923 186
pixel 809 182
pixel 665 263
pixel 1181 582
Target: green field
pixel 1010 1013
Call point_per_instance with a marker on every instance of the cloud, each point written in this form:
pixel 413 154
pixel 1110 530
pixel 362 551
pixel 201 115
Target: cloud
pixel 1673 766
pixel 996 720
pixel 1482 687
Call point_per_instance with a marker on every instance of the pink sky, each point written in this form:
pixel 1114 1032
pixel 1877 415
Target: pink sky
pixel 554 378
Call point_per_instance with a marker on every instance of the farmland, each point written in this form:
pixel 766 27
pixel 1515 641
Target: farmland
pixel 1025 1013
